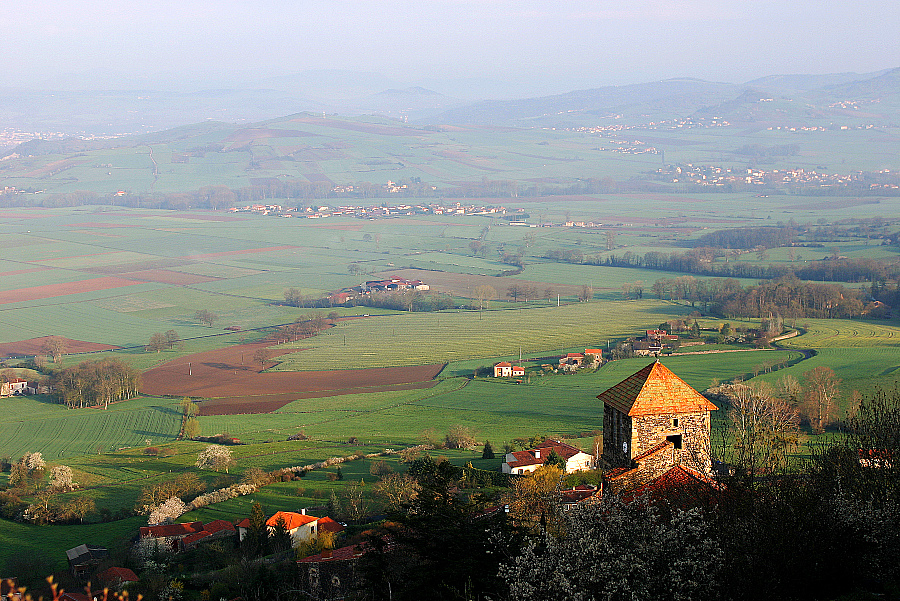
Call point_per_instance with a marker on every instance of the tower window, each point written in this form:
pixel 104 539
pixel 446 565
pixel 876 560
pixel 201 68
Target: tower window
pixel 675 439
pixel 675 422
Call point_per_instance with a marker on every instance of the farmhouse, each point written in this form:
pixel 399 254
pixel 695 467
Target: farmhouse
pixel 170 535
pixel 300 526
pixel 653 421
pixel 393 284
pixel 504 369
pixel 524 462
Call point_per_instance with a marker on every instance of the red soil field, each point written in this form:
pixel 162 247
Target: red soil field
pixel 231 380
pixel 21 271
pixel 34 346
pixel 53 290
pixel 164 276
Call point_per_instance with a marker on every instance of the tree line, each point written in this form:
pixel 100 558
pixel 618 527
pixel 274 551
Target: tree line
pixel 787 297
pixel 704 261
pixel 94 383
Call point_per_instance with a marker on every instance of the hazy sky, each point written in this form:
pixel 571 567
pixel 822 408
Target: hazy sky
pixel 550 46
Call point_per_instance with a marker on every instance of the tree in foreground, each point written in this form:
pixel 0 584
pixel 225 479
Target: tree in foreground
pixel 611 550
pixel 215 457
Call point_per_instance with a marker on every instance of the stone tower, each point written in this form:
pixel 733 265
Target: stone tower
pixel 653 415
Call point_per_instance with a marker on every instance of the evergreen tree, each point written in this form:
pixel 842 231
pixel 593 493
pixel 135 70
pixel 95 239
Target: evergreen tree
pixel 488 452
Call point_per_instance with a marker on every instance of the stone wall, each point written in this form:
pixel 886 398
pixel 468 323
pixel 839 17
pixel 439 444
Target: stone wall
pixel 694 429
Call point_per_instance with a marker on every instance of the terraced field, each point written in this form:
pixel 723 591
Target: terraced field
pixel 832 333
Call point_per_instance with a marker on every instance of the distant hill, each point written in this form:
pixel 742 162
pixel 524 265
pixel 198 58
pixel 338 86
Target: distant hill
pixel 661 99
pixel 805 83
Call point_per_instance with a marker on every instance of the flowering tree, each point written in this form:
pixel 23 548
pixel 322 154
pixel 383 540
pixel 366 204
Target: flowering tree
pixel 168 512
pixel 215 457
pixel 61 478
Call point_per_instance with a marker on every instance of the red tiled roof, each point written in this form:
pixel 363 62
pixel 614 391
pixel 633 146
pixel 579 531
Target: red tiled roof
pixel 193 538
pixel 292 520
pixel 574 355
pixel 579 493
pixel 343 553
pixel 329 525
pixel 219 525
pixel 678 479
pixel 244 523
pixel 523 458
pixel 116 576
pixel 653 390
pixel 168 530
pixel 663 444
pixel 504 364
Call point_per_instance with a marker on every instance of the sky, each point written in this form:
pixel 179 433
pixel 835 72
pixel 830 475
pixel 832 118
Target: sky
pixel 526 45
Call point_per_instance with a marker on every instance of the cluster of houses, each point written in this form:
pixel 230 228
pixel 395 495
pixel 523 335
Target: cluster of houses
pixel 391 284
pixel 570 362
pixel 654 343
pixel 656 438
pixel 656 442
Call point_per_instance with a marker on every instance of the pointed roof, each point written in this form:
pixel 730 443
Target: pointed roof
pixel 655 389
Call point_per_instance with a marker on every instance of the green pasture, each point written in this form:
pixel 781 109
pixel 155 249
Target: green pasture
pixel 34 425
pixel 825 333
pixel 428 338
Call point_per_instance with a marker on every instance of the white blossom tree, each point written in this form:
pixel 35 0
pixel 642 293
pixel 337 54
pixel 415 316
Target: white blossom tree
pixel 215 457
pixel 32 461
pixel 167 512
pixel 61 478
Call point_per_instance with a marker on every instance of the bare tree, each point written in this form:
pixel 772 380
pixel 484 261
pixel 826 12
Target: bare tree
pixel 483 294
pixel 397 490
pixel 586 294
pixel 761 428
pixel 157 343
pixel 262 356
pixel 55 346
pixel 206 317
pixel 821 388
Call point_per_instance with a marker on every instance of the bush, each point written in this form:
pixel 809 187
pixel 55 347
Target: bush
pixel 152 451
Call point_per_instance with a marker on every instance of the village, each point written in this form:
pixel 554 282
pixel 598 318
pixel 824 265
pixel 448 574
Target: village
pixel 655 444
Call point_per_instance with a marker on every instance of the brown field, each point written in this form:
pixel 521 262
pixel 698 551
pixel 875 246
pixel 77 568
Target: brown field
pixel 34 346
pixel 232 381
pixel 139 266
pixel 165 276
pixel 462 284
pixel 269 403
pixel 54 290
pixel 23 271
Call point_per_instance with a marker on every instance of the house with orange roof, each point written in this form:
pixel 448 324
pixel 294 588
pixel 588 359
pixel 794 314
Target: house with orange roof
pixel 301 526
pixel 525 462
pixel 503 369
pixel 652 421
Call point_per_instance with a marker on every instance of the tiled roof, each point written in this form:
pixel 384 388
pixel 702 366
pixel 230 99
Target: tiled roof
pixel 342 553
pixel 218 526
pixel 167 530
pixel 675 484
pixel 116 576
pixel 579 493
pixel 292 520
pixel 523 458
pixel 244 523
pixel 653 390
pixel 329 525
pixel 504 364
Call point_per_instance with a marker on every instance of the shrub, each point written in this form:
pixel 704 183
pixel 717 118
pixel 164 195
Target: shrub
pixel 152 451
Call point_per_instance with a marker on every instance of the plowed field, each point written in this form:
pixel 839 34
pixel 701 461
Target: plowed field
pixel 232 382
